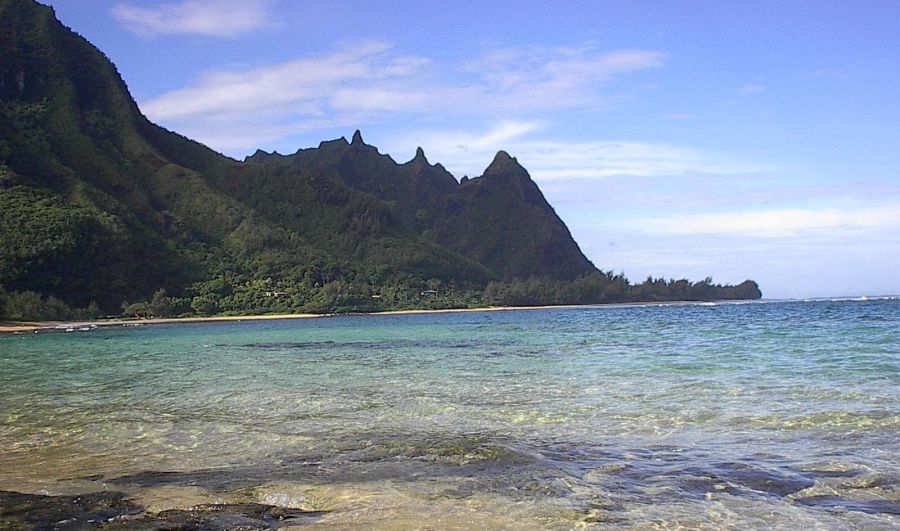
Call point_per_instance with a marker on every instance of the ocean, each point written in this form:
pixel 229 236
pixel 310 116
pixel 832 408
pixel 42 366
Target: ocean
pixel 702 416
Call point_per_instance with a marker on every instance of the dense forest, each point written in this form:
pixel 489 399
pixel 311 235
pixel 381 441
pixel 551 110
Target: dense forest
pixel 104 213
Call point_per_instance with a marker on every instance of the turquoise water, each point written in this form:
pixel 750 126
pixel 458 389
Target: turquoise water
pixel 762 415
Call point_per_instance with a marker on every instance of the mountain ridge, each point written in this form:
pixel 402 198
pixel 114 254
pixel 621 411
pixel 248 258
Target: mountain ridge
pixel 100 205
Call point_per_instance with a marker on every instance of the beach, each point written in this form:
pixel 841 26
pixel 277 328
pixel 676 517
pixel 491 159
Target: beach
pixel 19 327
pixel 37 326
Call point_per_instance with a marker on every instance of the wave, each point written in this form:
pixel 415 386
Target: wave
pixel 860 298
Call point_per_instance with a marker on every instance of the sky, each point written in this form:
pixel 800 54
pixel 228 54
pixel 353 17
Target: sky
pixel 684 139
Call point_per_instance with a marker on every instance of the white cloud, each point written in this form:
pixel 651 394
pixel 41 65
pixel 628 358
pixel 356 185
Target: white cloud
pixel 604 158
pixel 220 18
pixel 463 143
pixel 776 222
pixel 300 87
pixel 532 78
pixel 465 153
pixel 752 88
pixel 832 73
pixel 370 81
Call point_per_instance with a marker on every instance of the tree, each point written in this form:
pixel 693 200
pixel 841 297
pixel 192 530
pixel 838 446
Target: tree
pixel 204 305
pixel 93 311
pixel 25 305
pixel 160 305
pixel 137 309
pixel 747 289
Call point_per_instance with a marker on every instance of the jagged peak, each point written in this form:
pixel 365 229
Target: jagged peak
pixel 503 164
pixel 261 155
pixel 357 144
pixel 257 155
pixel 502 155
pixel 420 158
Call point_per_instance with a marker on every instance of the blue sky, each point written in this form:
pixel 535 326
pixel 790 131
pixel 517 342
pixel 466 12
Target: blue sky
pixel 678 139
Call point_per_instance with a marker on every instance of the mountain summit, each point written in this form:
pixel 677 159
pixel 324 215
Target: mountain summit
pixel 98 204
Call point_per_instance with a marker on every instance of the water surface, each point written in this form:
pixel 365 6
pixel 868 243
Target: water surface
pixel 735 415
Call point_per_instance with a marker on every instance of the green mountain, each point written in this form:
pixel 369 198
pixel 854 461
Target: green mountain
pixel 99 205
pixel 525 238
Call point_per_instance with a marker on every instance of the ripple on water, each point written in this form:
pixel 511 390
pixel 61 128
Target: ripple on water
pixel 754 416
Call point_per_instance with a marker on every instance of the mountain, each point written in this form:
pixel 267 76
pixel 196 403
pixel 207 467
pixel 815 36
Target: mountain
pixel 99 205
pixel 524 236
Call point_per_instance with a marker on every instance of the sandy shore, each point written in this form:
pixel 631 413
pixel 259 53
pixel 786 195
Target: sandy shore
pixel 21 326
pixel 13 327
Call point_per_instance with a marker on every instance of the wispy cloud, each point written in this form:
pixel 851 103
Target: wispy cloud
pixel 220 18
pixel 369 81
pixel 829 73
pixel 468 153
pixel 775 223
pixel 304 87
pixel 466 145
pixel 547 78
pixel 240 110
pixel 752 88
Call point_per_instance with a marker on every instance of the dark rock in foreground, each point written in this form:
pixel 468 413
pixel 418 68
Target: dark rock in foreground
pixel 112 510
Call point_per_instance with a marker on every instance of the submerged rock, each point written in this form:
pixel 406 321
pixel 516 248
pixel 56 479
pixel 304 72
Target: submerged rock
pixel 113 510
pixel 36 511
pixel 841 504
pixel 235 516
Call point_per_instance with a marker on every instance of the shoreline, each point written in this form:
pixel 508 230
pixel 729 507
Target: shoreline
pixel 21 327
pixel 13 327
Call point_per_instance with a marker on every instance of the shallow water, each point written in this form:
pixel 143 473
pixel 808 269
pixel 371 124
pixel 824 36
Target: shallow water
pixel 757 415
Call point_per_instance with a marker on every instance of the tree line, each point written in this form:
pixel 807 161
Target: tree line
pixel 218 296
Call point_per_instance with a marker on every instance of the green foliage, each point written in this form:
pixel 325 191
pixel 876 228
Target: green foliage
pixel 136 309
pixel 27 305
pixel 602 288
pixel 31 306
pixel 205 305
pixel 76 252
pixel 161 305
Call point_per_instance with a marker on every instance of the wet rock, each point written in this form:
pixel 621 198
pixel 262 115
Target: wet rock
pixel 763 480
pixel 36 511
pixel 214 480
pixel 233 516
pixel 705 485
pixel 841 504
pixel 112 510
